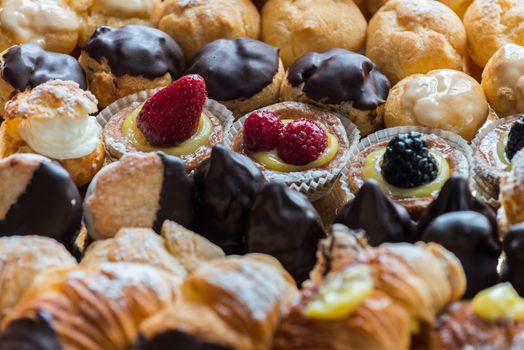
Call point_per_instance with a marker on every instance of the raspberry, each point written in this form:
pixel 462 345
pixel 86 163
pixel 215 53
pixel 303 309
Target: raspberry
pixel 261 131
pixel 302 141
pixel 171 116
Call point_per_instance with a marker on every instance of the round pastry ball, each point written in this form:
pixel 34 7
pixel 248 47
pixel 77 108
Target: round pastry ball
pixel 415 36
pixel 492 23
pixel 243 74
pixel 503 80
pixel 340 80
pixel 122 61
pixel 442 99
pixel 118 13
pixel 53 24
pixel 193 24
pixel 301 26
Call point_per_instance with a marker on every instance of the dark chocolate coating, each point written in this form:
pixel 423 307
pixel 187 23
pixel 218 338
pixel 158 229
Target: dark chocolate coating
pixel 174 339
pixel 339 75
pixel 28 65
pixel 382 219
pixel 177 194
pixel 137 51
pixel 30 334
pixel 226 186
pixel 284 224
pixel 456 196
pixel 514 263
pixel 468 234
pixel 235 68
pixel 50 206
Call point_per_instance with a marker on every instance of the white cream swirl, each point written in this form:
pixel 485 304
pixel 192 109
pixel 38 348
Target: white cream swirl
pixel 61 138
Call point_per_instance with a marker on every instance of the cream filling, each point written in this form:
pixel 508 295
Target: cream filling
pixel 61 138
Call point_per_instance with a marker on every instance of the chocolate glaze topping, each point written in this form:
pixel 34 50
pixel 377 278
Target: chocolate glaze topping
pixel 337 76
pixel 50 206
pixel 226 186
pixel 137 51
pixel 28 65
pixel 174 339
pixel 469 235
pixel 514 249
pixel 284 224
pixel 30 334
pixel 382 219
pixel 177 194
pixel 456 196
pixel 235 68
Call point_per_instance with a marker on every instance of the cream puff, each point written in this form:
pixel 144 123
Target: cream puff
pixel 342 81
pixel 415 36
pixel 193 24
pixel 133 58
pixel 490 24
pixel 54 120
pixel 242 74
pixel 503 80
pixel 28 65
pixel 441 99
pixel 298 27
pixel 53 24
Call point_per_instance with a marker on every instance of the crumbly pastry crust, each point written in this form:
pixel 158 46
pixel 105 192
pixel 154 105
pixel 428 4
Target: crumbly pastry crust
pixel 512 191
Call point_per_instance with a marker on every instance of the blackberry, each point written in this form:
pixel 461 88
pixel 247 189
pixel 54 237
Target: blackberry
pixel 407 162
pixel 515 138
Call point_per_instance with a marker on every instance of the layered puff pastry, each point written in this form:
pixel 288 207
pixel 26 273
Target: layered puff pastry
pixel 231 303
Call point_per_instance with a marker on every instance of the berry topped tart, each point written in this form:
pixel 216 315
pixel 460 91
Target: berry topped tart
pixel 410 164
pixel 177 120
pixel 300 145
pixel 494 149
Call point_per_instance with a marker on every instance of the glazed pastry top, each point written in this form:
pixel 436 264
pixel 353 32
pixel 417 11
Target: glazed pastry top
pixel 139 8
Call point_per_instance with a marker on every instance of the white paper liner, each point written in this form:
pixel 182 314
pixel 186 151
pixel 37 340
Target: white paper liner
pixel 483 190
pixel 387 134
pixel 224 115
pixel 316 184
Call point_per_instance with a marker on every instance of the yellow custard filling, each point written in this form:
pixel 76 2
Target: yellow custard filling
pixel 135 136
pixel 501 151
pixel 342 295
pixel 372 170
pixel 499 302
pixel 272 161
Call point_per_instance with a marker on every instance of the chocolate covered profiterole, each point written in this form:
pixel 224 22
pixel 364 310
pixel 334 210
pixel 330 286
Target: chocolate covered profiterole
pixel 38 197
pixel 120 62
pixel 340 80
pixel 284 224
pixel 513 245
pixel 243 74
pixel 28 65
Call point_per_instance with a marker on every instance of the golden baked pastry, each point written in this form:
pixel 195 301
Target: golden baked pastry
pixel 193 24
pixel 512 191
pixel 96 308
pixel 298 27
pixel 415 36
pixel 459 6
pixel 53 120
pixel 441 99
pixel 53 24
pixel 490 24
pixel 22 259
pixel 234 303
pixel 503 80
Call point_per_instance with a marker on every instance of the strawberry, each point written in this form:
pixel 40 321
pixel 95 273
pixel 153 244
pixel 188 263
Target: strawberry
pixel 171 116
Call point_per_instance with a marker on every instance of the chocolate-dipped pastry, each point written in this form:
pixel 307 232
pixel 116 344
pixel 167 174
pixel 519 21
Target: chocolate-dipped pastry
pixel 140 190
pixel 28 65
pixel 30 334
pixel 284 224
pixel 182 340
pixel 455 195
pixel 514 248
pixel 226 186
pixel 38 197
pixel 469 235
pixel 382 219
pixel 136 50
